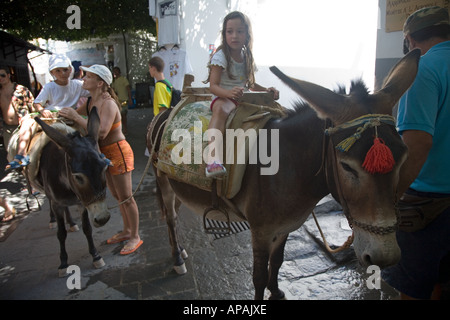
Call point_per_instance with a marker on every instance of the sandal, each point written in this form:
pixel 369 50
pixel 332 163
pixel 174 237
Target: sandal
pixel 11 216
pixel 115 239
pixel 215 170
pixel 19 161
pixel 126 251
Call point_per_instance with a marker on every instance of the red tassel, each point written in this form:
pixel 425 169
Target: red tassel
pixel 379 158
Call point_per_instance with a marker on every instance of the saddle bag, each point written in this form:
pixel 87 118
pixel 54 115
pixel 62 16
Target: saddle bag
pixel 416 210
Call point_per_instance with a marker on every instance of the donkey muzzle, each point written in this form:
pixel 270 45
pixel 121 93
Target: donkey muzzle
pixel 99 213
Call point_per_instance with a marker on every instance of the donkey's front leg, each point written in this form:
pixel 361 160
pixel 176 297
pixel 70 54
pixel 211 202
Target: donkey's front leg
pixel 87 230
pixel 62 235
pixel 52 224
pixel 261 249
pixel 275 262
pixel 72 225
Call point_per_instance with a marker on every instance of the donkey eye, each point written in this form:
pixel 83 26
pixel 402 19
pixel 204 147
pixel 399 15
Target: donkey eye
pixel 349 169
pixel 78 178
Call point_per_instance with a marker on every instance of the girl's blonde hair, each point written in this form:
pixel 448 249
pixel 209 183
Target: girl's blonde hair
pixel 247 50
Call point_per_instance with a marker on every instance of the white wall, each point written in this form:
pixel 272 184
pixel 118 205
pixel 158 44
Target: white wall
pixel 326 42
pixel 389 46
pixel 201 24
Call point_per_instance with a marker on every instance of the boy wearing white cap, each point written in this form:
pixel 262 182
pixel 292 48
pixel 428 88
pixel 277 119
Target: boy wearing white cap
pixel 54 96
pixel 62 92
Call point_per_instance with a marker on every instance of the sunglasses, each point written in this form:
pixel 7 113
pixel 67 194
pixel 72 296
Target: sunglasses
pixel 3 75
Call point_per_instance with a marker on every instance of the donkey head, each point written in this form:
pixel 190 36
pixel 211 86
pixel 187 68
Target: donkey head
pixel 86 168
pixel 362 126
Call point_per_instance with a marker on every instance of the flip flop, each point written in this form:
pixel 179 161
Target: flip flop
pixel 11 216
pixel 115 239
pixel 125 252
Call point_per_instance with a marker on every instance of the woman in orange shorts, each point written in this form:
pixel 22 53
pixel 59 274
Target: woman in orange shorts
pixel 114 146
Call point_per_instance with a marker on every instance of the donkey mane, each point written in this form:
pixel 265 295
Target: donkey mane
pixel 78 139
pixel 358 89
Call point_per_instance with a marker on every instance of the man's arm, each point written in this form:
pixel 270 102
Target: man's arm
pixel 419 144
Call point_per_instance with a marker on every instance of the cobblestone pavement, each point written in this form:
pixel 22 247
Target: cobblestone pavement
pixel 218 269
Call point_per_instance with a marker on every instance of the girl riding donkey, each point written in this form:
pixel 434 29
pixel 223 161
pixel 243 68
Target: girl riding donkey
pixel 231 72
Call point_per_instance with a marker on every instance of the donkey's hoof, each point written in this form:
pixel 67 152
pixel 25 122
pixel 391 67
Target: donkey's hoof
pixel 278 295
pixel 73 228
pixel 62 273
pixel 184 254
pixel 180 269
pixel 52 225
pixel 99 263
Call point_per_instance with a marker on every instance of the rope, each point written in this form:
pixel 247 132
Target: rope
pixel 137 188
pixel 346 245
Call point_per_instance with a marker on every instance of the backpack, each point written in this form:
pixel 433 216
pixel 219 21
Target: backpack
pixel 176 94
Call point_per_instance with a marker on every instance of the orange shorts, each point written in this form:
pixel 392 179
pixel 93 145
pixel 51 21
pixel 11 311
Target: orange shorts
pixel 121 156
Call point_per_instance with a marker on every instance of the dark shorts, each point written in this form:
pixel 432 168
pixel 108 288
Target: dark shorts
pixel 121 156
pixel 422 253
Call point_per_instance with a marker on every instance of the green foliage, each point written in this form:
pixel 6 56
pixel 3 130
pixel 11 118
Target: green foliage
pixel 29 19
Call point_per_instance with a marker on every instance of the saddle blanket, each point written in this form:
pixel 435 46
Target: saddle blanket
pixel 183 151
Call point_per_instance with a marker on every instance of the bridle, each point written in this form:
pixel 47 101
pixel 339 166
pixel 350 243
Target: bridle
pixel 361 124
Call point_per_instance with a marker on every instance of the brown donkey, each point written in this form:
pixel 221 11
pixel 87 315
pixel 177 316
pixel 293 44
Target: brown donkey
pixel 324 147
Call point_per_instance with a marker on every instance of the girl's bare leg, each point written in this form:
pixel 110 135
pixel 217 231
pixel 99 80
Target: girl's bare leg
pixel 221 109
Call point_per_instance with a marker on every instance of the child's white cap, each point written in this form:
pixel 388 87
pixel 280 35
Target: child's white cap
pixel 59 61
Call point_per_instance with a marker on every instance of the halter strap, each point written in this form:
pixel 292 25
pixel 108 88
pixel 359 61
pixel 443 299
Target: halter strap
pixel 363 123
pixel 371 119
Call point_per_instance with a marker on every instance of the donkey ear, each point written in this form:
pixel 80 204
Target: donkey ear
pixel 93 125
pixel 325 102
pixel 60 139
pixel 400 78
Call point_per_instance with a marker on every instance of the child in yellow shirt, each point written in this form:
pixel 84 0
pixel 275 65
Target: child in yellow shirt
pixel 163 94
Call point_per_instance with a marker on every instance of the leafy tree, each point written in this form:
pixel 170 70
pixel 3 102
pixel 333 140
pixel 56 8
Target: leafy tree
pixel 29 19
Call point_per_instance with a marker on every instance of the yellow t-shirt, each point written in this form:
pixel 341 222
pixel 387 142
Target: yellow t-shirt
pixel 161 97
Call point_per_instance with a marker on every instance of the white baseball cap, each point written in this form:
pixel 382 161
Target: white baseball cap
pixel 59 61
pixel 102 71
